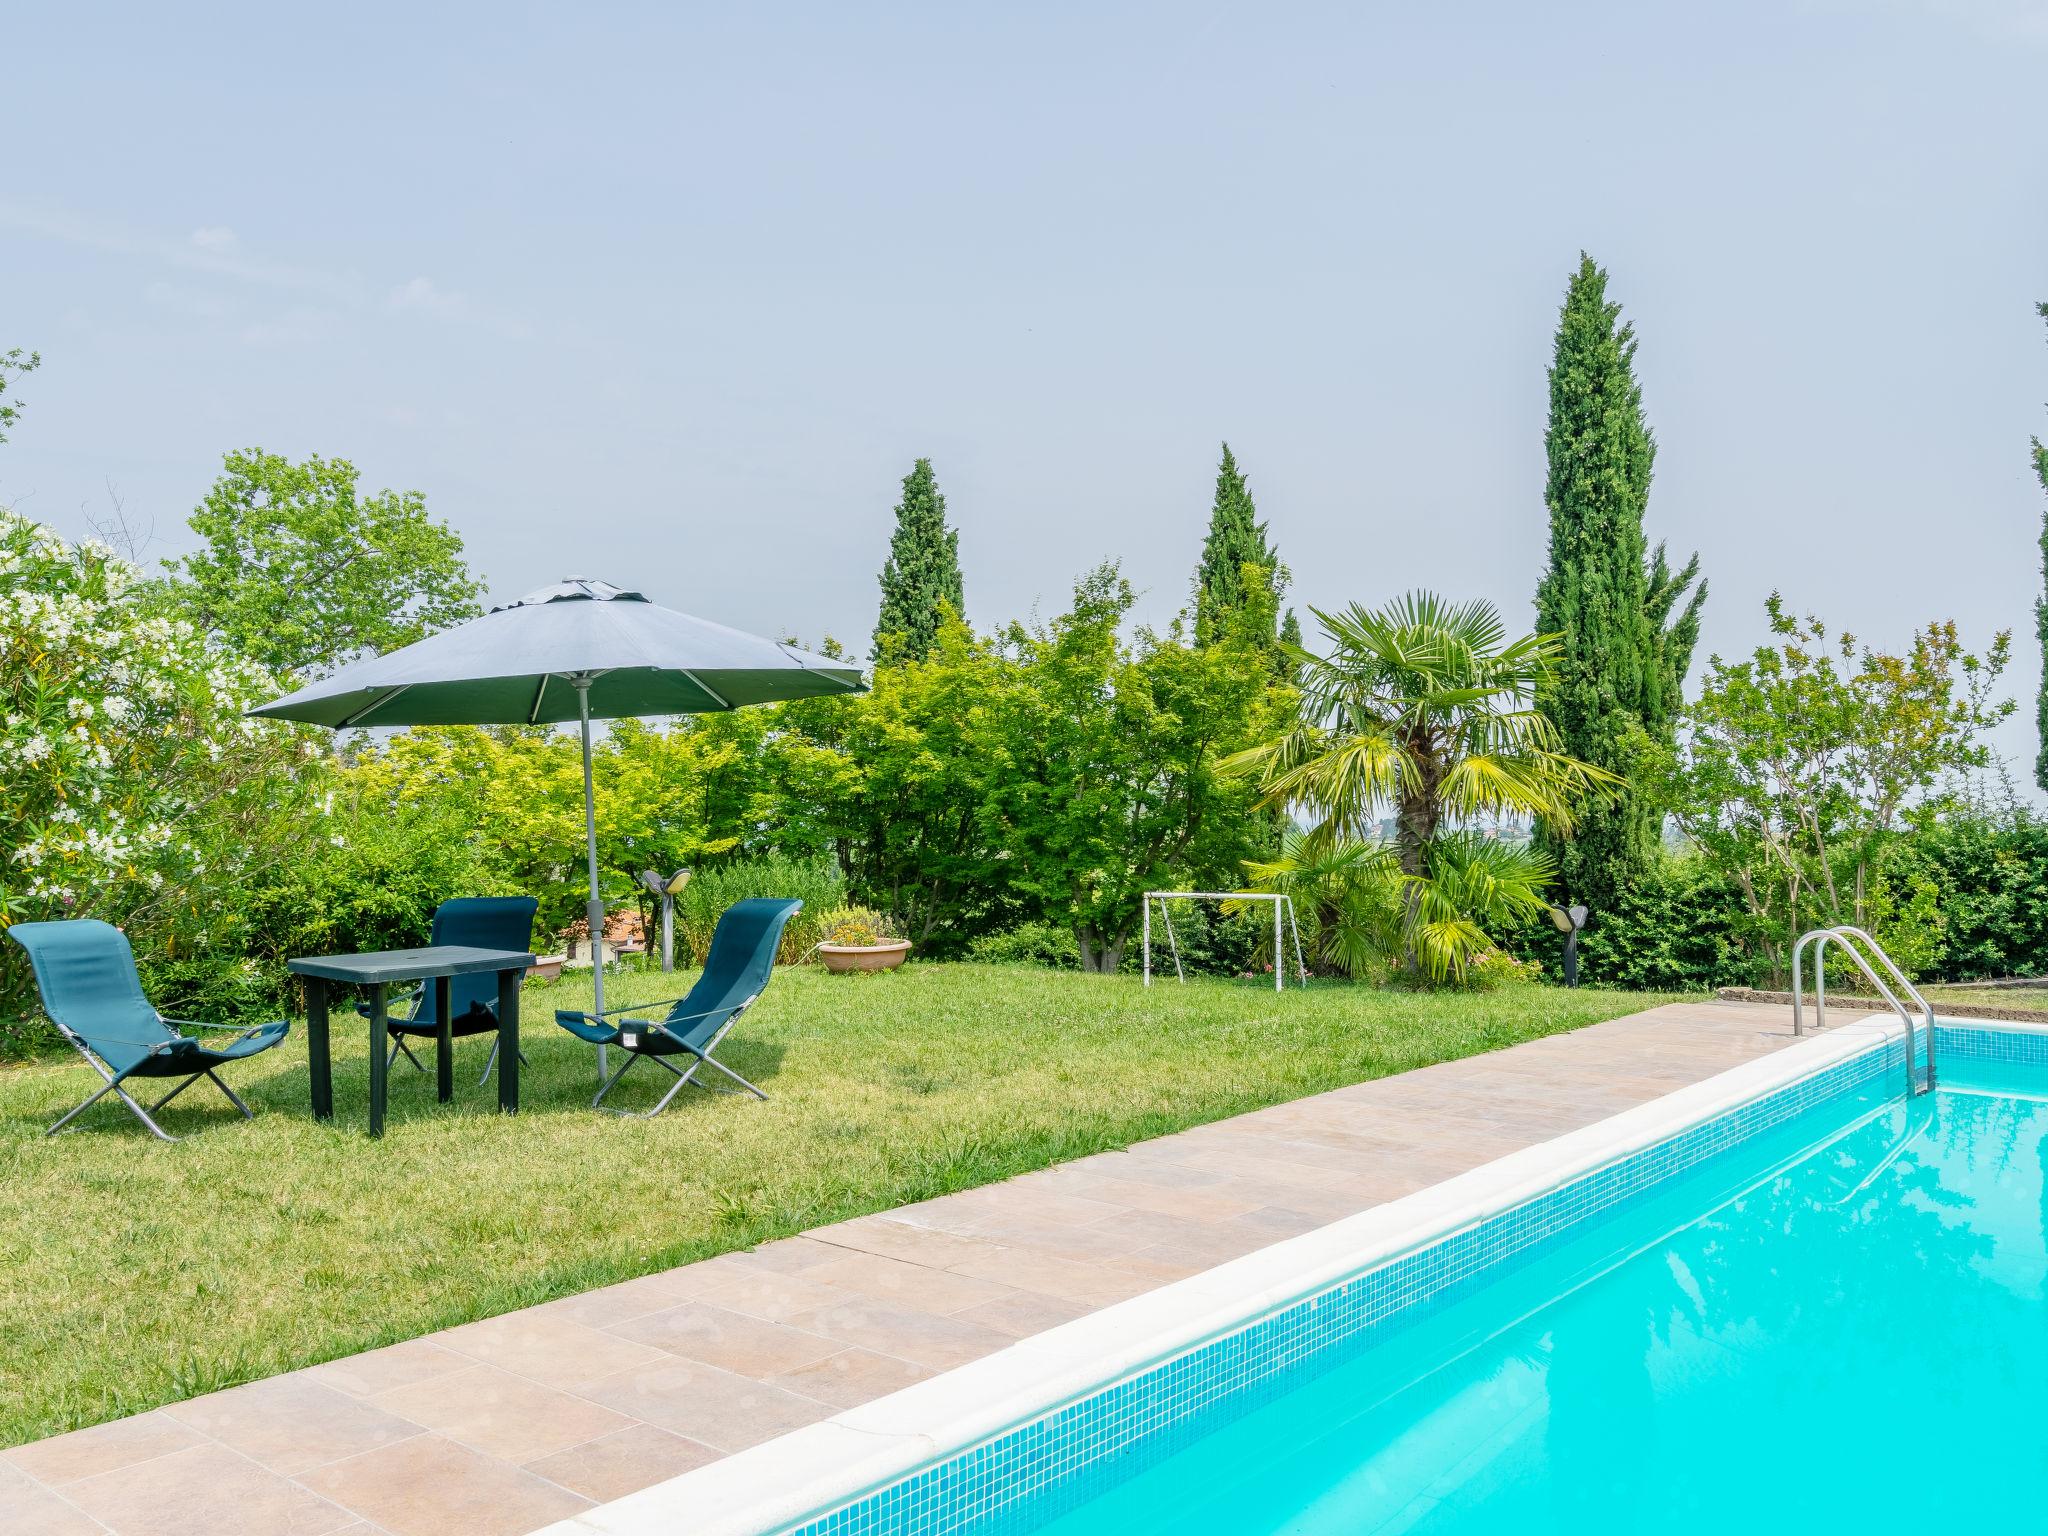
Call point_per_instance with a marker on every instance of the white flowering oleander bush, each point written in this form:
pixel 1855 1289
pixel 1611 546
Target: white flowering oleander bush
pixel 132 785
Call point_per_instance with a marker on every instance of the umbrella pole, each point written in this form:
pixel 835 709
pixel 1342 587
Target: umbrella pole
pixel 593 909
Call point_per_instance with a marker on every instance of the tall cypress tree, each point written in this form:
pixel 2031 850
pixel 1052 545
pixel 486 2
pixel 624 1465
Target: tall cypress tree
pixel 922 573
pixel 2041 609
pixel 1626 643
pixel 1236 539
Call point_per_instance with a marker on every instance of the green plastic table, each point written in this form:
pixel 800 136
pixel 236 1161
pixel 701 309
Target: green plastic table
pixel 377 972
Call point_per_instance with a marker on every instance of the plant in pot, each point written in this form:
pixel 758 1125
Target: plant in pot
pixel 860 939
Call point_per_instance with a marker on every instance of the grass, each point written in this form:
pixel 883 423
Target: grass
pixel 1951 995
pixel 140 1273
pixel 1989 997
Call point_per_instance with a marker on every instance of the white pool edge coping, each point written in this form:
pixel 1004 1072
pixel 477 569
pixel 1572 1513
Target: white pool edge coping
pixel 808 1472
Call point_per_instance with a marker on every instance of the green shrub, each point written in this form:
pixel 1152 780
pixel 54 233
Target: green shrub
pixel 1904 912
pixel 216 987
pixel 1213 942
pixel 1046 944
pixel 1495 970
pixel 27 1033
pixel 1678 929
pixel 817 883
pixel 1958 899
pixel 371 882
pixel 1991 879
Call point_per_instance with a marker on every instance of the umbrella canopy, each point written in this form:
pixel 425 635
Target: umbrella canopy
pixel 579 650
pixel 518 665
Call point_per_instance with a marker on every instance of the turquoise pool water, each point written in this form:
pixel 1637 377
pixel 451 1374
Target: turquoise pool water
pixel 1840 1326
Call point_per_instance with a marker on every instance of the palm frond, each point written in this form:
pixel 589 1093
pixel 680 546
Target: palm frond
pixel 1497 882
pixel 1473 884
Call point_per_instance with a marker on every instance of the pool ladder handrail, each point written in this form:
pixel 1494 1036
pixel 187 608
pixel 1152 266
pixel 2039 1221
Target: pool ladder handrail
pixel 1846 937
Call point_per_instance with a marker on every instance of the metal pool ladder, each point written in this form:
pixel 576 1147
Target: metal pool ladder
pixel 1853 942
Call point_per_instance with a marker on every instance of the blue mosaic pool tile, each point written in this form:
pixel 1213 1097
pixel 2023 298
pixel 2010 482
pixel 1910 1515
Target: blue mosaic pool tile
pixel 1032 1474
pixel 2019 1047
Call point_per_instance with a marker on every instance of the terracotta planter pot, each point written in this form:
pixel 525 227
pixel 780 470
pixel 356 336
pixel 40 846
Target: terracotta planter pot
pixel 864 957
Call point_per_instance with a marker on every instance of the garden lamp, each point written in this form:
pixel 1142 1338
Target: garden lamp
pixel 1568 921
pixel 666 889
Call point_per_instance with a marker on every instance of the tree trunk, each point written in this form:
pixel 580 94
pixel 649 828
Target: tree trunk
pixel 1100 955
pixel 1414 830
pixel 1781 963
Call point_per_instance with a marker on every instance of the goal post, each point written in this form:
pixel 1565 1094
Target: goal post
pixel 1283 923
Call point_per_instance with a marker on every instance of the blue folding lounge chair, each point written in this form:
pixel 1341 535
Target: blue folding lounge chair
pixel 735 974
pixel 86 972
pixel 480 922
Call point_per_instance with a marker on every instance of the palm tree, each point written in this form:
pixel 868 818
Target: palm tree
pixel 1423 708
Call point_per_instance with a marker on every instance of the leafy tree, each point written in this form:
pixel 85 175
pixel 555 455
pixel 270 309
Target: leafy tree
pixel 14 362
pixel 763 785
pixel 2041 610
pixel 1801 766
pixel 1622 655
pixel 301 573
pixel 928 747
pixel 906 773
pixel 518 788
pixel 1423 707
pixel 1114 782
pixel 1051 773
pixel 1239 567
pixel 921 580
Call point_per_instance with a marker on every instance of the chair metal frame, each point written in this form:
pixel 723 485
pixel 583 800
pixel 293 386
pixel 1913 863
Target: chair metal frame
pixel 703 1054
pixel 398 1044
pixel 160 1048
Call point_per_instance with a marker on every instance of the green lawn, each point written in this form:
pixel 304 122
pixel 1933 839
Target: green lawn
pixel 139 1273
pixel 1988 997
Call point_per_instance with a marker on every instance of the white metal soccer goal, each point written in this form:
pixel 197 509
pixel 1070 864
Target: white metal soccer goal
pixel 1283 912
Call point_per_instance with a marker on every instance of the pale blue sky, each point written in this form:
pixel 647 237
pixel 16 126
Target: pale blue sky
pixel 673 295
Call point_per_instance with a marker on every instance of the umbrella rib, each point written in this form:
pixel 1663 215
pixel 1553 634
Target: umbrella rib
pixel 716 697
pixel 373 706
pixel 539 693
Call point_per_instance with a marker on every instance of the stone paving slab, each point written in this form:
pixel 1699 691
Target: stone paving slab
pixel 499 1427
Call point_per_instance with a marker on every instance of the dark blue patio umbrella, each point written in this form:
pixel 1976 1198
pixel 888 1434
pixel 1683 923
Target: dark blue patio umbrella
pixel 579 650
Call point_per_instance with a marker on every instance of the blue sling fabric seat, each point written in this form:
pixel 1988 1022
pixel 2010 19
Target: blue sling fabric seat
pixel 736 972
pixel 479 922
pixel 85 971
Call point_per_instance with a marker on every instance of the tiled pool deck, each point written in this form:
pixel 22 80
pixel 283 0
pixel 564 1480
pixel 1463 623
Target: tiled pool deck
pixel 500 1427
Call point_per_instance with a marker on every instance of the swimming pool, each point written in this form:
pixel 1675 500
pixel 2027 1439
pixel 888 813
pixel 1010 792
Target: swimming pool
pixel 1821 1333
pixel 1790 1297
